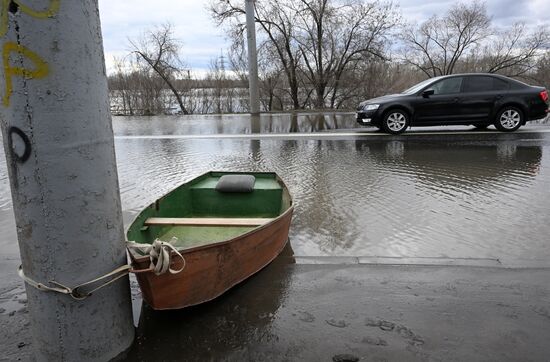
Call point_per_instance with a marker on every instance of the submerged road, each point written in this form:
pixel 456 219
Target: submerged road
pixel 427 246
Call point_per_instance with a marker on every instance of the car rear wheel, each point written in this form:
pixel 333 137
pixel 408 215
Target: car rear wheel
pixel 509 119
pixel 395 121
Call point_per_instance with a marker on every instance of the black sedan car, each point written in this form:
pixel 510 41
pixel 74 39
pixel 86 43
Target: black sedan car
pixel 462 99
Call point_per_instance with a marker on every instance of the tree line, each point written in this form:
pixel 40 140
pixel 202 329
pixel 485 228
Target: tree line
pixel 324 54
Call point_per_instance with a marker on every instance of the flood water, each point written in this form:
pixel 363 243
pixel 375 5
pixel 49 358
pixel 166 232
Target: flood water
pixel 435 197
pixel 438 195
pixel 233 124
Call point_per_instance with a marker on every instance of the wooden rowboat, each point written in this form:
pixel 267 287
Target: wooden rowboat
pixel 226 232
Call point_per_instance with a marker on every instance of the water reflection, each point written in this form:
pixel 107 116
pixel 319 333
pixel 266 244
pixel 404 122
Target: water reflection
pixel 233 124
pixel 457 164
pixel 421 196
pixel 218 330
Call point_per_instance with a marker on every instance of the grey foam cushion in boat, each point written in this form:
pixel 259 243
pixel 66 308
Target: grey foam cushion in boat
pixel 236 183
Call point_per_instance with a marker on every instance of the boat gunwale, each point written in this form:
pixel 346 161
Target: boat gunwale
pixel 219 243
pixel 140 258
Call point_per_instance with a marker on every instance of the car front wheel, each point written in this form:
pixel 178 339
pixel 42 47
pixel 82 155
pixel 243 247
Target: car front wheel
pixel 395 122
pixel 509 119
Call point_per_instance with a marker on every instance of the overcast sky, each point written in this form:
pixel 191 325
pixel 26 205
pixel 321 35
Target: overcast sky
pixel 202 40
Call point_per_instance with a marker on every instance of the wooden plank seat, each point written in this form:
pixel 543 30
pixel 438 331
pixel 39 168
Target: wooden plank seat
pixel 205 221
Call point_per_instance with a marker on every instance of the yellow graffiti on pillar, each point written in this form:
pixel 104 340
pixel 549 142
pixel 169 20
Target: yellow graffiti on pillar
pixel 52 9
pixel 41 67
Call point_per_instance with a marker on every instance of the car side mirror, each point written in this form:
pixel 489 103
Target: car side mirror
pixel 427 93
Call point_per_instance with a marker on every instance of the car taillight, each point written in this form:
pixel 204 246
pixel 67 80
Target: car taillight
pixel 544 95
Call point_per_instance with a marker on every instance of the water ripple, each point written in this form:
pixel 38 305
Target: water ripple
pixel 366 198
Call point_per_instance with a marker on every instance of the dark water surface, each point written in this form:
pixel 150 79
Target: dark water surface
pixel 375 198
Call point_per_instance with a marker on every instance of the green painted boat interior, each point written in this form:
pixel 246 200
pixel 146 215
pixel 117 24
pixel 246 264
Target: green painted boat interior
pixel 199 199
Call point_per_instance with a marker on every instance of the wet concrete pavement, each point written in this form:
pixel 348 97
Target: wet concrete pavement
pixel 426 246
pixel 293 312
pixel 301 312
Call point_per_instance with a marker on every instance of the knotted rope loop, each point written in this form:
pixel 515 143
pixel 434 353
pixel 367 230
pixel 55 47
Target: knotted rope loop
pixel 160 256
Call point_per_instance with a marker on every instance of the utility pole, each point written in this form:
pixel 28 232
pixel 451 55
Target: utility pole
pixel 252 58
pixel 59 148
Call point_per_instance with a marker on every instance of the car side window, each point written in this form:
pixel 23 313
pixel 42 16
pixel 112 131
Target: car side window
pixel 485 84
pixel 447 86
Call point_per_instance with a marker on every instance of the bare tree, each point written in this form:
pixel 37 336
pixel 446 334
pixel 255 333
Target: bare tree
pixel 335 36
pixel 314 42
pixel 514 51
pixel 277 21
pixel 160 50
pixel 437 45
pixel 121 89
pixel 542 73
pixel 135 89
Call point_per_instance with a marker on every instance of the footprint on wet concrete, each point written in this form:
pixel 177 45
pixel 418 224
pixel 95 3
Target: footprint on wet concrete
pixel 372 322
pixel 380 323
pixel 513 315
pixel 374 341
pixel 403 331
pixel 345 358
pixel 387 326
pixel 417 341
pixel 413 339
pixel 337 323
pixel 543 312
pixel 306 317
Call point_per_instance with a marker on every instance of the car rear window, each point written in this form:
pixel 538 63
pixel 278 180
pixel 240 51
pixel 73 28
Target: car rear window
pixel 499 84
pixel 485 84
pixel 515 84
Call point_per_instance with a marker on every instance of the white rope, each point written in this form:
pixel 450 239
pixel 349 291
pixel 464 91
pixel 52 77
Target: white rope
pixel 41 286
pixel 76 292
pixel 159 255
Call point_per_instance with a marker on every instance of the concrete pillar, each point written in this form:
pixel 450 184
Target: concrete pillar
pixel 59 146
pixel 252 58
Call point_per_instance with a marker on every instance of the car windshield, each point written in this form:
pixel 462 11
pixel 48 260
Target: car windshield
pixel 419 86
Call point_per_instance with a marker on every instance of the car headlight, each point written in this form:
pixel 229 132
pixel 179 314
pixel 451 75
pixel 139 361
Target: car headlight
pixel 371 107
